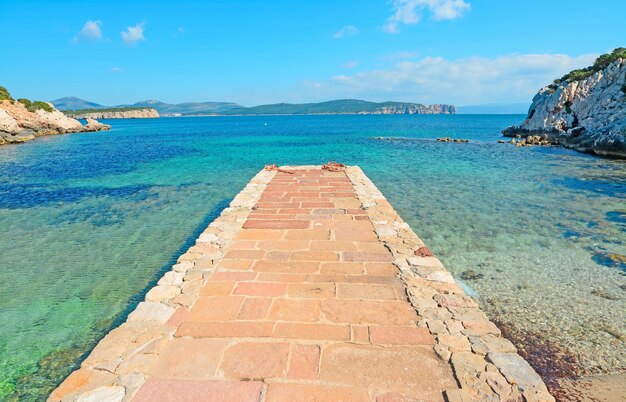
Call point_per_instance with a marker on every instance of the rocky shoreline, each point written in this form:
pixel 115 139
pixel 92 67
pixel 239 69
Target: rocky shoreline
pixel 146 113
pixel 585 110
pixel 22 121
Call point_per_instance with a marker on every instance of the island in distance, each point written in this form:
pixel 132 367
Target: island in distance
pixel 152 108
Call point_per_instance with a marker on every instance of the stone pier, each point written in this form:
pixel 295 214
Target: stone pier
pixel 309 287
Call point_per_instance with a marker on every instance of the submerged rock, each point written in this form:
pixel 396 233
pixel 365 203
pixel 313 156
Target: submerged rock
pixel 448 139
pixel 470 275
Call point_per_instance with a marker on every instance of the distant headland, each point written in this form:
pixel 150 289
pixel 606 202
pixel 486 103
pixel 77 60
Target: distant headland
pixel 77 106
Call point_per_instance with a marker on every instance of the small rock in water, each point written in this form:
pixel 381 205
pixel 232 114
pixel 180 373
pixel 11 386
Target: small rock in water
pixel 604 294
pixel 501 141
pixel 448 139
pixel 423 252
pixel 470 275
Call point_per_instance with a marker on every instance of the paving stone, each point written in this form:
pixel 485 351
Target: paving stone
pixel 366 291
pixel 295 310
pixel 228 329
pixel 193 391
pixel 516 370
pixel 162 293
pixel 189 358
pixel 312 331
pixel 393 335
pixel 491 343
pixel 311 290
pixel 260 289
pixel 255 360
pixel 289 392
pixel 364 256
pixel 217 308
pixel 81 380
pixel 150 311
pixel 304 362
pixel 392 368
pixel 368 312
pixel 103 394
pixel 255 308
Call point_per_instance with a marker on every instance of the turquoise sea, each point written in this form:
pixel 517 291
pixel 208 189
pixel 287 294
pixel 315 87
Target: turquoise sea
pixel 89 222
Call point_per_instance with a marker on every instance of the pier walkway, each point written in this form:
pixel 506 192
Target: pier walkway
pixel 308 288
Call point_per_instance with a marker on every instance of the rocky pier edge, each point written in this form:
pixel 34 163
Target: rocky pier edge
pixel 485 365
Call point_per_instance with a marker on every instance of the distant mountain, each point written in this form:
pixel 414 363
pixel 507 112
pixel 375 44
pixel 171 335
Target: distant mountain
pixel 343 106
pixel 74 103
pixel 187 107
pixel 494 108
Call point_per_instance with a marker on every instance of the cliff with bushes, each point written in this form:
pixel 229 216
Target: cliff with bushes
pixel 583 110
pixel 23 120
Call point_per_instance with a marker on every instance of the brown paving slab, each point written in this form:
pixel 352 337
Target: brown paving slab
pixel 280 392
pixel 189 358
pixel 255 360
pixel 415 370
pixel 157 390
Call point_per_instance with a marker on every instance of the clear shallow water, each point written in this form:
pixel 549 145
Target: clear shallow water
pixel 90 221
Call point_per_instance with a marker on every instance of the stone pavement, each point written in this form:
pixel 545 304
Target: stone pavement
pixel 311 297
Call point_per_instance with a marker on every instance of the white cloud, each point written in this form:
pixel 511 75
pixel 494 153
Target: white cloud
pixel 91 31
pixel 350 64
pixel 503 79
pixel 134 34
pixel 410 12
pixel 116 69
pixel 346 31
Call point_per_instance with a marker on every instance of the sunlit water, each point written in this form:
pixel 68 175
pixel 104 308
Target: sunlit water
pixel 88 222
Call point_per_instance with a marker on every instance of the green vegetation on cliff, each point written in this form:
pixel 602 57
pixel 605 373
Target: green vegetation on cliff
pixel 36 105
pixel 30 106
pixel 600 64
pixel 4 94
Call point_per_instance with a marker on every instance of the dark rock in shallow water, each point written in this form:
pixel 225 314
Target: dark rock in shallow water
pixel 471 275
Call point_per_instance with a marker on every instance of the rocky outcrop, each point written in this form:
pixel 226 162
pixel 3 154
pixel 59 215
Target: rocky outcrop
pixel 146 113
pixel 415 109
pixel 586 114
pixel 18 124
pixel 95 125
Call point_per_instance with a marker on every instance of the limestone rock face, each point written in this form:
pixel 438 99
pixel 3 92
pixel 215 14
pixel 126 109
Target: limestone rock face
pixel 120 114
pixel 95 125
pixel 18 124
pixel 587 115
pixel 7 123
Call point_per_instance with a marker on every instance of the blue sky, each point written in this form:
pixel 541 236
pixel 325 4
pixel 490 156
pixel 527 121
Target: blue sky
pixel 429 51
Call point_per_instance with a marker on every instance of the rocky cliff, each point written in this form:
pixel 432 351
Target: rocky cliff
pixel 22 121
pixel 585 110
pixel 121 113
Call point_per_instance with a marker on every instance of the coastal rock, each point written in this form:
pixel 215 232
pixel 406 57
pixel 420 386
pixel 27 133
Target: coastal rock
pixel 7 123
pixel 144 113
pixel 24 121
pixel 103 394
pixel 516 370
pixel 586 114
pixel 151 311
pixel 95 125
